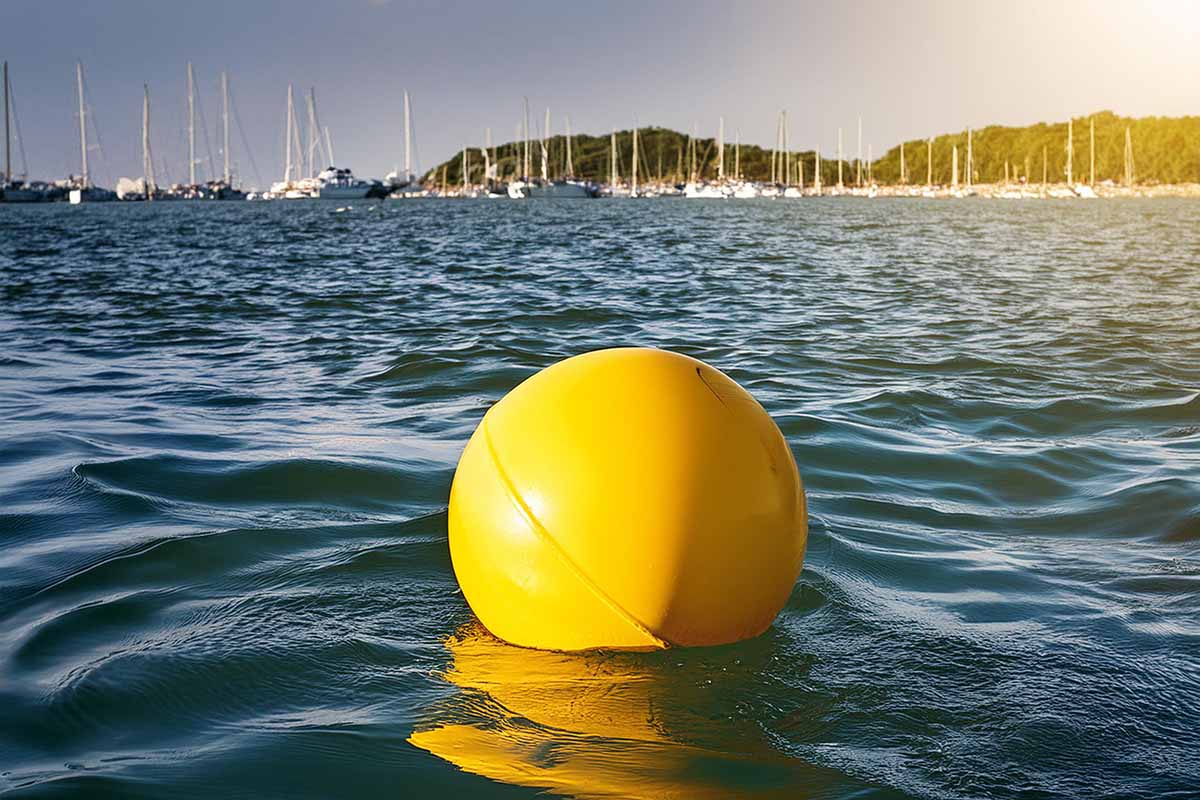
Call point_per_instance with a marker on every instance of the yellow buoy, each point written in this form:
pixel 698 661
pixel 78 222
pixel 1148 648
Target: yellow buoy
pixel 628 498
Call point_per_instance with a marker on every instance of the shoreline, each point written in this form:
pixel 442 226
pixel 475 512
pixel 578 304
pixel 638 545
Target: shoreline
pixel 743 190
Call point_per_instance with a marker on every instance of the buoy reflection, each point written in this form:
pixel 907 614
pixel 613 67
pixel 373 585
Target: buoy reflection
pixel 600 725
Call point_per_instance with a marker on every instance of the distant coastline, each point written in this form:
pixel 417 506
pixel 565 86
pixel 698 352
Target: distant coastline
pixel 1164 158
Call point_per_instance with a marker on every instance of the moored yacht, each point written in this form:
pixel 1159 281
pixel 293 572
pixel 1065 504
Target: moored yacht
pixel 81 190
pixel 561 190
pixel 23 192
pixel 703 191
pixel 564 188
pixel 340 184
pixel 11 191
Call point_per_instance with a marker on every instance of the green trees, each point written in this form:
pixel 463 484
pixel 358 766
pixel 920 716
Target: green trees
pixel 662 154
pixel 1165 150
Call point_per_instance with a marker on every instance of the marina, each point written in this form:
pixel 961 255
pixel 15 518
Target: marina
pixel 505 171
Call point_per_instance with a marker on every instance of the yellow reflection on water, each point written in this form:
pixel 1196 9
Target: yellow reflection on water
pixel 600 725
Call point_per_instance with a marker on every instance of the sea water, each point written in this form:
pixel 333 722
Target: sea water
pixel 228 432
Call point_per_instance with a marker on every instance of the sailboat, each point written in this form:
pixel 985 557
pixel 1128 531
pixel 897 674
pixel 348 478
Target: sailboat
pixel 518 187
pixel 82 189
pixel 215 188
pixel 12 191
pixel 566 188
pixel 292 187
pixel 405 184
pixel 223 189
pixel 143 188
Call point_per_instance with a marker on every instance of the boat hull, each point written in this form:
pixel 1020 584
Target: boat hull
pixel 559 190
pixel 344 192
pixel 21 195
pixel 92 194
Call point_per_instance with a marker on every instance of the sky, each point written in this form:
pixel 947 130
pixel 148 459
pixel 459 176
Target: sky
pixel 910 69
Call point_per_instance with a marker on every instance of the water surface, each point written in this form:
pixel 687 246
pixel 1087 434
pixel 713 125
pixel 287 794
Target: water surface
pixel 229 432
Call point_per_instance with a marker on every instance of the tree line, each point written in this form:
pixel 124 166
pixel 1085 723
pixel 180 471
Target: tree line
pixel 1164 149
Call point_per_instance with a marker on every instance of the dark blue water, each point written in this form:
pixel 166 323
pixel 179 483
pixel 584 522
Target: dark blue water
pixel 228 431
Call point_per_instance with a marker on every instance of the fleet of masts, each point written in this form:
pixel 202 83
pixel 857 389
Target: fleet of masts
pixel 308 156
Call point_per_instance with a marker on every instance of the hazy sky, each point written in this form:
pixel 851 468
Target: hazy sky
pixel 911 69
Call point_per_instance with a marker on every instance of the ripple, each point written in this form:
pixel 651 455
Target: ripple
pixel 226 460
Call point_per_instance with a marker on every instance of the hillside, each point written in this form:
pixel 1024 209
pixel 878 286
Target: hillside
pixel 1165 150
pixel 662 155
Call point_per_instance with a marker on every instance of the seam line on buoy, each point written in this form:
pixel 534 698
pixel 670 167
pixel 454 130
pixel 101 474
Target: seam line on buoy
pixel 540 529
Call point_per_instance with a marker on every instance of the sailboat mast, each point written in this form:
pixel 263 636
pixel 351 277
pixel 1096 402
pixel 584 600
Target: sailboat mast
pixel 929 163
pixel 612 167
pixel 633 169
pixel 545 145
pixel 775 152
pixel 1128 157
pixel 82 123
pixel 312 130
pixel 858 160
pixel 408 174
pixel 903 171
pixel 486 183
pixel 570 165
pixel 737 154
pixel 7 134
pixel 225 122
pixel 817 170
pixel 147 156
pixel 787 151
pixel 721 149
pixel 525 165
pixel 487 158
pixel 191 126
pixel 291 116
pixel 970 160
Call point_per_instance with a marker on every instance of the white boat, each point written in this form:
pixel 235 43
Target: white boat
pixel 560 190
pixel 703 191
pixel 566 188
pixel 90 194
pixel 745 191
pixel 82 190
pixel 340 184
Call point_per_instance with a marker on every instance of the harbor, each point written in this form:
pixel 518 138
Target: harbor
pixel 546 166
